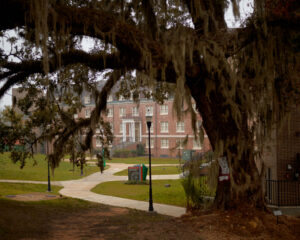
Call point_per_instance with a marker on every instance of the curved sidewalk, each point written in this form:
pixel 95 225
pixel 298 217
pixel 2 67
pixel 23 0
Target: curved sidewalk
pixel 81 189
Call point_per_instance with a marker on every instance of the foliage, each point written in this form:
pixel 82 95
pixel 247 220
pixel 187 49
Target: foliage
pixel 140 149
pixel 124 153
pixel 243 80
pixel 196 191
pixel 36 169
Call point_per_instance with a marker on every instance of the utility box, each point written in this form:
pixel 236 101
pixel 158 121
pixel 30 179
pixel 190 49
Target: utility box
pixel 187 155
pixel 137 173
pixel 134 173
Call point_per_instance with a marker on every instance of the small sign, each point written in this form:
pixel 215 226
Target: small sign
pixel 224 165
pixel 224 174
pixel 277 212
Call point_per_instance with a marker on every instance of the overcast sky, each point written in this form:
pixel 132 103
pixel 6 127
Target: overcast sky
pixel 245 10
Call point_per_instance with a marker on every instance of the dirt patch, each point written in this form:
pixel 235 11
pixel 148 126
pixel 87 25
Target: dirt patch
pixel 243 224
pixel 33 197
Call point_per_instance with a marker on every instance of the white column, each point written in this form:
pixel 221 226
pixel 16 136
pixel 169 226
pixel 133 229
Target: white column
pixel 133 131
pixel 140 131
pixel 124 131
pixel 129 132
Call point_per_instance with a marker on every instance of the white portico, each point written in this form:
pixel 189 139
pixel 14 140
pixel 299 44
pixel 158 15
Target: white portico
pixel 134 130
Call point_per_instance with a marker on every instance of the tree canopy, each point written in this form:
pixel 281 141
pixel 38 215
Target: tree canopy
pixel 243 80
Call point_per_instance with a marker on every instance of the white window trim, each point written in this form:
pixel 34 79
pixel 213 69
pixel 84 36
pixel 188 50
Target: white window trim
pixel 162 129
pixel 122 112
pixel 150 113
pixel 87 115
pixel 121 127
pixel 196 146
pixel 87 99
pixel 98 143
pixel 110 112
pixel 151 128
pixel 180 145
pixel 179 129
pixel 151 142
pixel 161 144
pixel 135 113
pixel 164 111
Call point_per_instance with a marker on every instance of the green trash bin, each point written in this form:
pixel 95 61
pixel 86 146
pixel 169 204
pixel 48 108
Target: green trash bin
pixel 145 171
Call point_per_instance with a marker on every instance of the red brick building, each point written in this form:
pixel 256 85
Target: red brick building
pixel 128 122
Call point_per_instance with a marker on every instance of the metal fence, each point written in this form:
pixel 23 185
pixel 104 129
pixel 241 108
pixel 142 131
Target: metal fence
pixel 283 192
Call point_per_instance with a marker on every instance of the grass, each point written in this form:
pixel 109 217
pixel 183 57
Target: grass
pixel 22 188
pixel 173 195
pixel 158 170
pixel 40 220
pixel 38 171
pixel 145 160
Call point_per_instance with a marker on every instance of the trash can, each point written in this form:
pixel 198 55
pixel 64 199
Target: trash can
pixel 145 171
pixel 187 155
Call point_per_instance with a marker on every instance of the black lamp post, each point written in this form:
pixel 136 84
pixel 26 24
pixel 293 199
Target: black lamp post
pixel 47 152
pixel 149 120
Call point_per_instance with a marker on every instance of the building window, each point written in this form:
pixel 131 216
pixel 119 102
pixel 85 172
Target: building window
pixel 135 111
pixel 122 112
pixel 87 113
pixel 164 127
pixel 110 112
pixel 97 130
pixel 98 143
pixel 149 110
pixel 151 142
pixel 111 127
pixel 164 110
pixel 164 143
pixel 87 99
pixel 180 127
pixel 179 143
pixel 121 98
pixel 75 116
pixel 151 128
pixel 110 98
pixel 197 144
pixel 121 128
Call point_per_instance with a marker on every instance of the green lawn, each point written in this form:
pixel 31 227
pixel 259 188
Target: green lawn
pixel 38 172
pixel 145 160
pixel 22 188
pixel 158 170
pixel 173 195
pixel 38 220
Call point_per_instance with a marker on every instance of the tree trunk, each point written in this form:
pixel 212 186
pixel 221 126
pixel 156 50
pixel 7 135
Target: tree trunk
pixel 245 184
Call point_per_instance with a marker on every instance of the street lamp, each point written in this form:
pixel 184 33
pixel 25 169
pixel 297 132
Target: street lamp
pixel 149 120
pixel 47 153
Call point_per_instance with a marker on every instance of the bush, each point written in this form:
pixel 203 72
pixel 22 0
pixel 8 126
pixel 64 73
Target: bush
pixel 124 153
pixel 140 149
pixel 196 189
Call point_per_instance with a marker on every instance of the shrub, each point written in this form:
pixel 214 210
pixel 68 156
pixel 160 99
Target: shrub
pixel 124 153
pixel 196 189
pixel 140 149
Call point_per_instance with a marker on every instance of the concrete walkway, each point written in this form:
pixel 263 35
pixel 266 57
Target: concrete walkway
pixel 81 189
